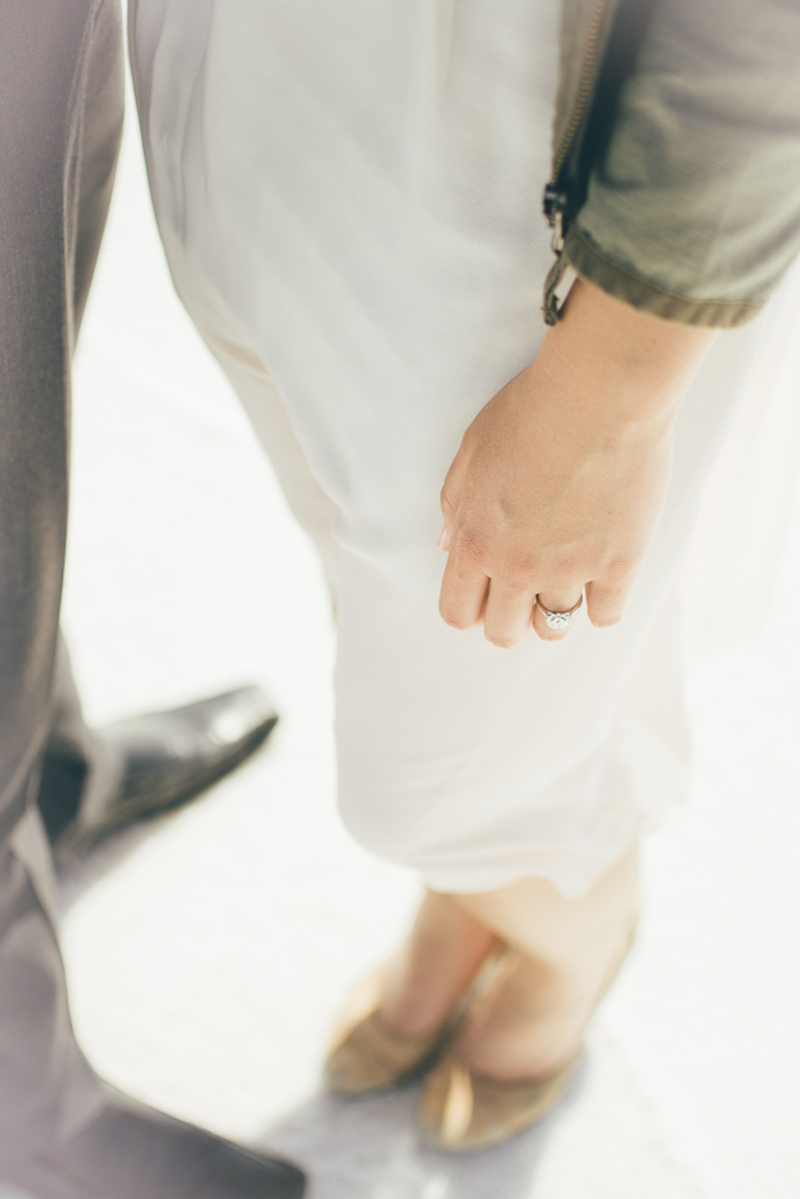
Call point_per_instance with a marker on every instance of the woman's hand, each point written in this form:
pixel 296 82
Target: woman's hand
pixel 560 479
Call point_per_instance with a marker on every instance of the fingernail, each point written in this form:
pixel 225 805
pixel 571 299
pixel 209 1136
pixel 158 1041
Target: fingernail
pixel 444 541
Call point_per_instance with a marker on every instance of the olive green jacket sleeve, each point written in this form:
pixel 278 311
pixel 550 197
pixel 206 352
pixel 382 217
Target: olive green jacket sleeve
pixel 692 210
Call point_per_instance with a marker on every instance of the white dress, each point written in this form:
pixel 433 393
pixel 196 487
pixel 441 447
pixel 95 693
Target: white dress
pixel 348 196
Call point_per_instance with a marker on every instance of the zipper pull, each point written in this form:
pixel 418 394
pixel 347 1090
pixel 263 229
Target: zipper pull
pixel 557 242
pixel 555 206
pixel 550 306
pixel 554 203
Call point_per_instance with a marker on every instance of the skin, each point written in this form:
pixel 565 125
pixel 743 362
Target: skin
pixel 555 490
pixel 560 479
pixel 562 955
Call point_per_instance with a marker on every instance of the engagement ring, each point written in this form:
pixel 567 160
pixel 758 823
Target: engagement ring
pixel 559 620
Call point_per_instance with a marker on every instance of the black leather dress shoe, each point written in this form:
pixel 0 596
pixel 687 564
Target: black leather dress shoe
pixel 131 1151
pixel 149 764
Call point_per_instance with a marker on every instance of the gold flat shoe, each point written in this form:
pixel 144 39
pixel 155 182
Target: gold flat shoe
pixel 462 1110
pixel 370 1058
pixel 364 1056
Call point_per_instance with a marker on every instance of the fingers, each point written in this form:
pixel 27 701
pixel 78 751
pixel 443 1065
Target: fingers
pixel 554 601
pixel 469 597
pixel 463 594
pixel 606 600
pixel 507 614
pixel 508 609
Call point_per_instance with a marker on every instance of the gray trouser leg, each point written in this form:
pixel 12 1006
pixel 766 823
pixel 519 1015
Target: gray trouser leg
pixel 60 118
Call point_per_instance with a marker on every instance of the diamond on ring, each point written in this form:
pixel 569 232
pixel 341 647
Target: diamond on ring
pixel 559 620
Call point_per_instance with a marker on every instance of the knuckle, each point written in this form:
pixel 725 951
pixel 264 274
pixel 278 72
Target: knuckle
pixel 447 502
pixel 563 572
pixel 620 568
pixel 517 575
pixel 621 565
pixel 472 548
pixel 517 568
pixel 562 566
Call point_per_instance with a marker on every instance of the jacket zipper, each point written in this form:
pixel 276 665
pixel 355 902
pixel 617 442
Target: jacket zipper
pixel 556 199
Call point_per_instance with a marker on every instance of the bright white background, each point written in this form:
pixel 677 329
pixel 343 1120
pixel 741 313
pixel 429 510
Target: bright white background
pixel 207 958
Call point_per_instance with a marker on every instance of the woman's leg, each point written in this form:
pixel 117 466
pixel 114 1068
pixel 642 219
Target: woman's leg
pixel 424 981
pixel 567 952
pixel 564 954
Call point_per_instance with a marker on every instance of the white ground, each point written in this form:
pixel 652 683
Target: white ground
pixel 207 959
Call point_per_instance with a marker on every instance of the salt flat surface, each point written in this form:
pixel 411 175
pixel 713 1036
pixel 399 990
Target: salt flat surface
pixel 207 958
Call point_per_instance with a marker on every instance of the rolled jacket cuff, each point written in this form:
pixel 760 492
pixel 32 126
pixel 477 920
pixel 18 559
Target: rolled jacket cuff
pixel 624 284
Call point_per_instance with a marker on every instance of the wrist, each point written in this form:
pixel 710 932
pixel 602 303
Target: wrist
pixel 620 367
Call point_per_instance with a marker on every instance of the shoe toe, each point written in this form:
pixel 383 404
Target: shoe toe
pixel 209 729
pixel 370 1058
pixel 162 760
pixel 460 1110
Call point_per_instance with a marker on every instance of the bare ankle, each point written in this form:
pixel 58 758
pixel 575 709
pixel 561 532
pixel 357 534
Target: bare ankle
pixel 424 982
